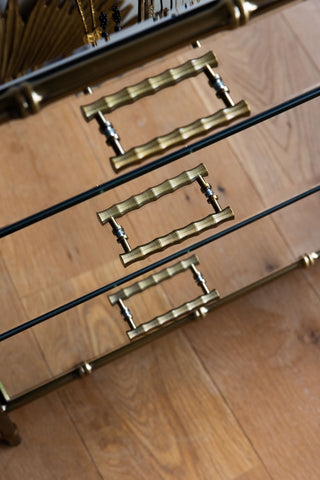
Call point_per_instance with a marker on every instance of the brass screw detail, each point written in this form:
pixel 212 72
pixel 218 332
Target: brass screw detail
pixel 309 259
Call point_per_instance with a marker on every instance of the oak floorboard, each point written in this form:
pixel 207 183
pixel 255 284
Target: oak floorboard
pixel 22 364
pixel 157 415
pixel 257 60
pixel 258 473
pixel 54 250
pixel 306 31
pixel 272 337
pixel 51 446
pixel 43 160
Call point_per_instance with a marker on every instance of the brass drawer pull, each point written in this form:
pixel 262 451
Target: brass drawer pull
pixel 149 86
pixel 180 135
pixel 177 236
pixel 198 305
pixel 110 215
pixel 152 194
pixel 153 280
pixel 174 314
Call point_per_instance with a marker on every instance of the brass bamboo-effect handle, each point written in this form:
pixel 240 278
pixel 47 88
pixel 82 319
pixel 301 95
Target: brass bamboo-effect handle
pixel 153 280
pixel 196 305
pixel 197 174
pixel 174 314
pixel 177 236
pixel 149 86
pixel 152 194
pixel 180 135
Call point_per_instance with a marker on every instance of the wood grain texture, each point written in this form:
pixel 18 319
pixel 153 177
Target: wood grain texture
pixel 23 351
pixel 305 36
pixel 51 447
pixel 166 395
pixel 232 397
pixel 276 392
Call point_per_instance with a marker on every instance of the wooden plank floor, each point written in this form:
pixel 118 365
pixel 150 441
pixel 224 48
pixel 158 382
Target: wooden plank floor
pixel 234 396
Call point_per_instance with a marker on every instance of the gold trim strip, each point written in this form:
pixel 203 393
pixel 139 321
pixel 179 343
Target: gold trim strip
pixel 154 279
pixel 180 135
pixel 38 390
pixel 152 194
pixel 177 236
pixel 149 86
pixel 175 314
